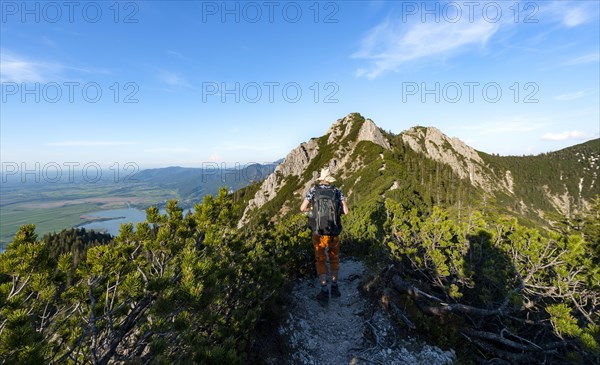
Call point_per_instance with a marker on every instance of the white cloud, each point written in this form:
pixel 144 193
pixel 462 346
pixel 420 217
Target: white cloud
pixel 388 45
pixel 168 150
pixel 175 54
pixel 173 79
pixel 48 42
pixel 563 136
pixel 17 69
pixel 516 124
pixel 90 143
pixel 227 146
pixel 573 96
pixel 571 13
pixel 588 58
pixel 575 17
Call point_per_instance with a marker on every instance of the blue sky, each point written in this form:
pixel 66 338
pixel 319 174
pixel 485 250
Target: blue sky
pixel 160 83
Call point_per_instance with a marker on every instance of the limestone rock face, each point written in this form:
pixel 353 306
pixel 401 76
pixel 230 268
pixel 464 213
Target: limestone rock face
pixel 370 132
pixel 341 143
pixel 464 160
pixel 298 159
pixel 343 150
pixel 294 164
pixel 339 130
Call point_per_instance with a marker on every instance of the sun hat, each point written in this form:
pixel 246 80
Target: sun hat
pixel 326 175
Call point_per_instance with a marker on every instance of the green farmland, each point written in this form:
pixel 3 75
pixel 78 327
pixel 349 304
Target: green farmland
pixel 53 207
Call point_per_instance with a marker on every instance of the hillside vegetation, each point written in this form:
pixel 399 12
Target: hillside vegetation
pixel 462 260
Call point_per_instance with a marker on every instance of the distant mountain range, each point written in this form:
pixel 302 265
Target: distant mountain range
pixel 419 167
pixel 192 184
pixel 67 201
pixel 423 167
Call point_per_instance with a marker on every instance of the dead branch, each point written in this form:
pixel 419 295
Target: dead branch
pixel 92 322
pixel 398 312
pixel 443 308
pixel 522 357
pixel 16 288
pixel 127 325
pixel 504 341
pixel 374 332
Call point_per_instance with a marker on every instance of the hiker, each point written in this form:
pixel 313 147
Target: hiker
pixel 324 219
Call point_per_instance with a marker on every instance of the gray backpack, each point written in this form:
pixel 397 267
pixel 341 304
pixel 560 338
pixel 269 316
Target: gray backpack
pixel 324 219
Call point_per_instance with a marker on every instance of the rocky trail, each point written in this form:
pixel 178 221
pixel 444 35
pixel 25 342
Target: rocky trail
pixel 345 330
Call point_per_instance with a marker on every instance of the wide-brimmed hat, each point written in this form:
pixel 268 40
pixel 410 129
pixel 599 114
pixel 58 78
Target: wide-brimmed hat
pixel 326 176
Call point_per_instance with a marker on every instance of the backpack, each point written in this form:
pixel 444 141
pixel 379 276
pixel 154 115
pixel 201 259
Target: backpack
pixel 326 211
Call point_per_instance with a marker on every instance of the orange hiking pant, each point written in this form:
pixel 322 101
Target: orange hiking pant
pixel 321 243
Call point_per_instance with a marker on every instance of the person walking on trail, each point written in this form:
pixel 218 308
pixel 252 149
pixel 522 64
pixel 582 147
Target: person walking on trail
pixel 325 203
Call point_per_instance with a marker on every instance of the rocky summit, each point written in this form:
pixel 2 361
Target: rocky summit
pixel 563 182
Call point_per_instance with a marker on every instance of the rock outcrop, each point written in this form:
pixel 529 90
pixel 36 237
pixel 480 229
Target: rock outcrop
pixel 464 160
pixel 343 151
pixel 370 132
pixel 294 164
pixel 341 141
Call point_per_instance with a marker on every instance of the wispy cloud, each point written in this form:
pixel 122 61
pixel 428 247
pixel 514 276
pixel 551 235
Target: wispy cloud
pixel 175 54
pixel 516 124
pixel 14 68
pixel 573 96
pixel 173 79
pixel 91 143
pixel 563 136
pixel 48 42
pixel 389 45
pixel 19 69
pixel 168 150
pixel 575 17
pixel 572 13
pixel 588 58
pixel 232 146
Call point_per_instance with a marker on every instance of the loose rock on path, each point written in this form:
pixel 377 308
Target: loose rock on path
pixel 347 330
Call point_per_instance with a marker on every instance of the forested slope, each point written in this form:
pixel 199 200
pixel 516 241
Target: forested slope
pixel 450 256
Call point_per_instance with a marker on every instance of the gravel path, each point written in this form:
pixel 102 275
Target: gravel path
pixel 346 330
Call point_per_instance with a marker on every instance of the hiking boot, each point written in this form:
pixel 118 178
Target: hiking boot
pixel 335 291
pixel 323 295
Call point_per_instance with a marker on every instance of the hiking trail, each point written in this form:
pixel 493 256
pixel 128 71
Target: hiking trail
pixel 346 330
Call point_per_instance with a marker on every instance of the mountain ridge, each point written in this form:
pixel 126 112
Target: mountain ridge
pixel 348 132
pixel 354 142
pixel 435 259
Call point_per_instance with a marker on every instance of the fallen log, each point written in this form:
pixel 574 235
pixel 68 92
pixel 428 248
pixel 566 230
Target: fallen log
pixel 512 357
pixel 442 308
pixel 510 348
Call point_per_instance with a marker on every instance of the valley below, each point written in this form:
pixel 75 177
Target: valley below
pixel 54 207
pixel 105 204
